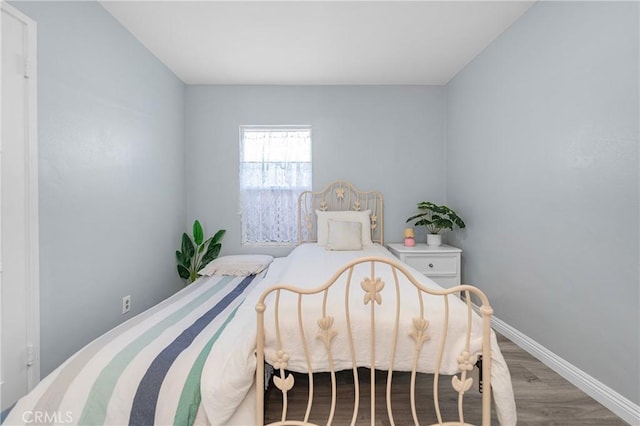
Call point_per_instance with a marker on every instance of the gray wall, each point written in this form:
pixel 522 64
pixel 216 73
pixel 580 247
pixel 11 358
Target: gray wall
pixel 111 153
pixel 542 158
pixel 387 138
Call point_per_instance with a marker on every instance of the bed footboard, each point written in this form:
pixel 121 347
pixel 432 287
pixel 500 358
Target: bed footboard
pixel 386 320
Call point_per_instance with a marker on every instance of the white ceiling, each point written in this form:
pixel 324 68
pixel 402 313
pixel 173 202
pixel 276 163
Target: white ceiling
pixel 316 42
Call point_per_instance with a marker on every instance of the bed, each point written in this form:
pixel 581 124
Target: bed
pixel 146 371
pixel 341 306
pixel 192 358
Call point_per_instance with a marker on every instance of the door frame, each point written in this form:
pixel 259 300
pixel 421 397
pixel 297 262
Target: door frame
pixel 33 237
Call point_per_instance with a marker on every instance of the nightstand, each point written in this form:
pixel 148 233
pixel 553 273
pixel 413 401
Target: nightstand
pixel 441 264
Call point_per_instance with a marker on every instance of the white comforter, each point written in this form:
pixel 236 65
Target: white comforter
pixel 310 266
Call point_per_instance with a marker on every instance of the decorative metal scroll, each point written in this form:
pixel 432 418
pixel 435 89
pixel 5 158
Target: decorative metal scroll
pixel 338 196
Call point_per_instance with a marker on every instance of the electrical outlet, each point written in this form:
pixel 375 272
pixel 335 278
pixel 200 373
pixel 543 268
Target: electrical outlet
pixel 126 304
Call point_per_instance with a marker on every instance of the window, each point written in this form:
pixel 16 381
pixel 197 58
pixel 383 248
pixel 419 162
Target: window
pixel 275 167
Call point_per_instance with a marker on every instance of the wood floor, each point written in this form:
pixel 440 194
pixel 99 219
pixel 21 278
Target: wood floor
pixel 542 397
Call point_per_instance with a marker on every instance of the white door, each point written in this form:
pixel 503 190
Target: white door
pixel 19 337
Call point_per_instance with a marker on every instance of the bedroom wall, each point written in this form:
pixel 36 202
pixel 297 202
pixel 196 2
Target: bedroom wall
pixel 387 138
pixel 542 159
pixel 111 165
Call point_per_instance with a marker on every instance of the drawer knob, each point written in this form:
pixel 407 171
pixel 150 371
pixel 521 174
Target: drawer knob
pixel 431 265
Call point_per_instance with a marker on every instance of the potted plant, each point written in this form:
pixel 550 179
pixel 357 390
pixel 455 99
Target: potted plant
pixel 197 252
pixel 436 218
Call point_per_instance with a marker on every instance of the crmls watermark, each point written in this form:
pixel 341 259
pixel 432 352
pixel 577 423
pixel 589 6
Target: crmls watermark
pixel 47 417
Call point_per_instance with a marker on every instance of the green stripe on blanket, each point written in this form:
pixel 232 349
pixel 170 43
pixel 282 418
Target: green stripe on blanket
pixel 191 397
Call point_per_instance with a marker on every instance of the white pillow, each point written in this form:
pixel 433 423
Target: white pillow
pixel 364 217
pixel 239 265
pixel 344 235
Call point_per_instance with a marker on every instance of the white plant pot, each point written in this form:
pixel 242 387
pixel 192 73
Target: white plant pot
pixel 434 240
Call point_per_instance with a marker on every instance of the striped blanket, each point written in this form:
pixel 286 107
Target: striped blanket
pixel 146 371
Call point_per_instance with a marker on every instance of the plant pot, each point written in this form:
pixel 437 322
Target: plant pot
pixel 434 240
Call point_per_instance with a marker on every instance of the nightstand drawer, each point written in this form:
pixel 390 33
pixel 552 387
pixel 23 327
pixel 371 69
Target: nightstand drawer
pixel 434 265
pixel 441 264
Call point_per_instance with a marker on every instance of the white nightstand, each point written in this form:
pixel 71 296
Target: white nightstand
pixel 441 264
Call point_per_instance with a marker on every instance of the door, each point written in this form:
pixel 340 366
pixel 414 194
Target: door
pixel 19 315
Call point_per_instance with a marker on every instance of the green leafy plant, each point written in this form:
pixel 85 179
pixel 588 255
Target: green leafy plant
pixel 436 218
pixel 197 252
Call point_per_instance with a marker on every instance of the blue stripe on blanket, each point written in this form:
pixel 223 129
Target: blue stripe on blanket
pixel 146 398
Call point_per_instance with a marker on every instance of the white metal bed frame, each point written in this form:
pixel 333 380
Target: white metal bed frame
pixel 371 285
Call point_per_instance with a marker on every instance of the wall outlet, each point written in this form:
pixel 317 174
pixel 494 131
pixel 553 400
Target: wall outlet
pixel 126 304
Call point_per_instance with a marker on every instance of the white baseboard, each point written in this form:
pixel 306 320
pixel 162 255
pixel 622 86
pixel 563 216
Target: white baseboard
pixel 597 390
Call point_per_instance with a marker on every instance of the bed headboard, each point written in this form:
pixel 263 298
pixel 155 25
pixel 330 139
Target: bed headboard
pixel 338 196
